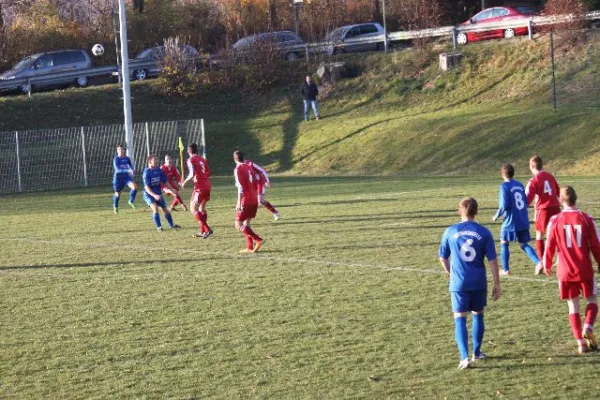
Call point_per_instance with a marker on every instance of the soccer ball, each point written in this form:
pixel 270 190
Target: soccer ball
pixel 98 50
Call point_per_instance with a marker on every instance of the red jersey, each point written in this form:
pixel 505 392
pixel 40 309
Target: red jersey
pixel 172 175
pixel 574 234
pixel 244 180
pixel 260 175
pixel 198 168
pixel 543 185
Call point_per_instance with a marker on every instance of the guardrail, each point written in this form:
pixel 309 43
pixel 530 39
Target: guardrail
pixel 26 84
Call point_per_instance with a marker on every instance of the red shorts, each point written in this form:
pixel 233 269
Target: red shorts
pixel 248 212
pixel 200 195
pixel 542 218
pixel 572 290
pixel 260 189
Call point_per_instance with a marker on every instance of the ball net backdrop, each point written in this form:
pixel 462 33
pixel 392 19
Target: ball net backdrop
pixel 76 157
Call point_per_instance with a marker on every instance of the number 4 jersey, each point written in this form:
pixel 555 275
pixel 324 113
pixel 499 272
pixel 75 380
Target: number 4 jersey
pixel 466 245
pixel 512 206
pixel 574 234
pixel 543 185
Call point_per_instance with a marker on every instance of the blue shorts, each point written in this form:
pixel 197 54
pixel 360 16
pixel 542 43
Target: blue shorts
pixel 120 181
pixel 149 200
pixel 512 236
pixel 465 301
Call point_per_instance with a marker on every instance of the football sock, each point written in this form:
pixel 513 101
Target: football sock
pixel 504 255
pixel 269 207
pixel 575 321
pixel 132 195
pixel 169 218
pixel 539 245
pixel 530 253
pixel 178 199
pixel 175 202
pixel 478 330
pixel 156 218
pixel 204 216
pixel 462 336
pixel 201 218
pixel 246 230
pixel 249 243
pixel 591 311
pixel 115 201
pixel 197 216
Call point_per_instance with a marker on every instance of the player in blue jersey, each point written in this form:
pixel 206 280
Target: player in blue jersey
pixel 154 178
pixel 123 176
pixel 515 226
pixel 462 251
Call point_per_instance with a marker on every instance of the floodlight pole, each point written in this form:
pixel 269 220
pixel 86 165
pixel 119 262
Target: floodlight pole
pixel 125 79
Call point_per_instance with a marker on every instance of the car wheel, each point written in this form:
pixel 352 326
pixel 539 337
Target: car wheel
pixel 461 38
pixel 140 74
pixel 509 33
pixel 82 81
pixel 291 56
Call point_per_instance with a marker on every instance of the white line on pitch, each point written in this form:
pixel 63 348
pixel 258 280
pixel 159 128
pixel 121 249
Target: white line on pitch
pixel 264 256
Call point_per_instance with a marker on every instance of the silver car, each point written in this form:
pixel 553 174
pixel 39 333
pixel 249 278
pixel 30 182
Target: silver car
pixel 287 43
pixel 139 73
pixel 49 63
pixel 355 38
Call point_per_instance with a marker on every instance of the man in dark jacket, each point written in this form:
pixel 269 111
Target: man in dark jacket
pixel 310 91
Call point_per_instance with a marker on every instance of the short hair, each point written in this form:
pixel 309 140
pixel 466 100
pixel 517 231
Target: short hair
pixel 150 157
pixel 193 148
pixel 507 170
pixel 568 195
pixel 239 155
pixel 168 156
pixel 469 206
pixel 120 146
pixel 537 161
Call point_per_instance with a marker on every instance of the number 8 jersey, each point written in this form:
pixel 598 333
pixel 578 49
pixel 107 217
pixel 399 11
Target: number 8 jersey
pixel 574 234
pixel 466 245
pixel 512 206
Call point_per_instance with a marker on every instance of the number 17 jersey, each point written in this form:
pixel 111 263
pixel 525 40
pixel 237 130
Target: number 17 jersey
pixel 466 245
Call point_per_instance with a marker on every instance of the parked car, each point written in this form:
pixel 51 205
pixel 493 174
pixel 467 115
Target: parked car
pixel 354 38
pixel 157 54
pixel 285 41
pixel 496 14
pixel 49 63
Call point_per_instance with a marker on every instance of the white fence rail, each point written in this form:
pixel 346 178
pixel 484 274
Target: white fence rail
pixel 79 157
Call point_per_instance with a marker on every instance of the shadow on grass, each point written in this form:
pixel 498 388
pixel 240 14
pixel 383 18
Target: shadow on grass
pixel 96 264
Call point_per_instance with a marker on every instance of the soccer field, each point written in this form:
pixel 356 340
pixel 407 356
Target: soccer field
pixel 347 299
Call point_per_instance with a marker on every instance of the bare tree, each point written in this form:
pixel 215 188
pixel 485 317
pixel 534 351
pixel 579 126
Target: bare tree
pixel 272 8
pixel 419 15
pixel 574 10
pixel 138 5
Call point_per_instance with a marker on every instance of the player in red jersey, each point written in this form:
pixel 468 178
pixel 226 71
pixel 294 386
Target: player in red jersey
pixel 199 172
pixel 247 202
pixel 574 234
pixel 544 188
pixel 175 180
pixel 261 182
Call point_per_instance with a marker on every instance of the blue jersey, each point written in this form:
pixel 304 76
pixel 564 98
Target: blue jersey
pixel 122 166
pixel 512 206
pixel 154 178
pixel 465 245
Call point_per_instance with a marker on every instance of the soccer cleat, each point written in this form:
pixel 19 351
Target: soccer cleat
pixel 276 216
pixel 116 210
pixel 159 229
pixel 481 356
pixel 132 205
pixel 184 207
pixel 257 245
pixel 208 233
pixel 246 251
pixel 464 364
pixel 582 349
pixel 539 268
pixel 199 235
pixel 174 226
pixel 505 272
pixel 171 209
pixel 590 340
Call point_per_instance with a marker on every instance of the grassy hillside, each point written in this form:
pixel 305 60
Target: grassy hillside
pixel 399 115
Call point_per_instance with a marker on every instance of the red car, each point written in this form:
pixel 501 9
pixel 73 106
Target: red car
pixel 491 15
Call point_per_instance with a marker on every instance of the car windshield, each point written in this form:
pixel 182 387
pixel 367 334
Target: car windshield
pixel 335 34
pixel 525 10
pixel 244 42
pixel 26 62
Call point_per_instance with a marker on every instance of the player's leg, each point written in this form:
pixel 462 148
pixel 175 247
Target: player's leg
pixel 204 218
pixel 524 237
pixel 478 304
pixel 195 210
pixel 118 186
pixel 239 225
pixel 570 293
pixel 539 243
pixel 590 292
pixel 540 227
pixel 132 193
pixel 504 256
pixel 460 304
pixel 163 206
pixel 155 215
pixel 262 200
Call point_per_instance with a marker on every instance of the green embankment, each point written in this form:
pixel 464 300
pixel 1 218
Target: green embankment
pixel 398 115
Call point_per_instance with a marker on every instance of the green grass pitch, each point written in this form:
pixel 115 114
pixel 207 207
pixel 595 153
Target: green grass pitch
pixel 346 300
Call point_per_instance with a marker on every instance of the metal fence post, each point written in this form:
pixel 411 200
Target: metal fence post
pixel 306 51
pixel 147 139
pixel 553 73
pixel 454 38
pixel 203 138
pixel 530 29
pixel 18 161
pixel 85 176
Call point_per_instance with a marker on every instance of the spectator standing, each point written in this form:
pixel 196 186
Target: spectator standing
pixel 310 91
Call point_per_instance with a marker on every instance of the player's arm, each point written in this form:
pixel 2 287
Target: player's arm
pixel 264 174
pixel 177 175
pixel 444 253
pixel 550 248
pixel 445 264
pixel 496 290
pixel 165 180
pixel 530 191
pixel 190 174
pixel 503 202
pixel 207 170
pixel 238 204
pixel 131 169
pixel 593 237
